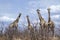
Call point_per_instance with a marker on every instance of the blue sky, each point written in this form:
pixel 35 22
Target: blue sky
pixel 10 9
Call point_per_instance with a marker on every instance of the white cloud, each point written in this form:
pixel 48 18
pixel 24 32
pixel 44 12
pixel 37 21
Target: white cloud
pixel 56 16
pixel 5 18
pixel 55 8
pixel 56 19
pixel 33 5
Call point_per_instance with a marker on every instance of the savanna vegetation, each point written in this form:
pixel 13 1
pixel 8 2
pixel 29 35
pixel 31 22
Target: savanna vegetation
pixel 38 31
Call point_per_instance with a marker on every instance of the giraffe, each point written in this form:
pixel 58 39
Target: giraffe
pixel 50 23
pixel 43 24
pixel 14 24
pixel 30 28
pixel 29 24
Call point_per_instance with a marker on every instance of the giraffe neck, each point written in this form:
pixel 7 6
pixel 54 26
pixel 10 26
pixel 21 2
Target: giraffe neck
pixel 28 21
pixel 42 21
pixel 17 20
pixel 49 19
pixel 29 24
pixel 40 17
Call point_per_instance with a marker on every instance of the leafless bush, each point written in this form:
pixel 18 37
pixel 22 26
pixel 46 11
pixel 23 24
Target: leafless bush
pixel 25 35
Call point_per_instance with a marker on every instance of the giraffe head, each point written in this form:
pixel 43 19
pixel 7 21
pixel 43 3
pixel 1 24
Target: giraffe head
pixel 39 15
pixel 19 14
pixel 48 10
pixel 38 11
pixel 27 16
